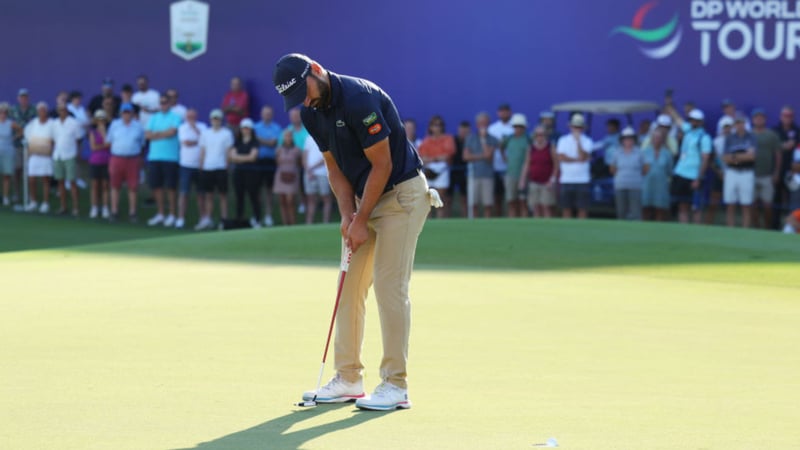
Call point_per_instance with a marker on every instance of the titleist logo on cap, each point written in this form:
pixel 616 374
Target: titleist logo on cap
pixel 284 86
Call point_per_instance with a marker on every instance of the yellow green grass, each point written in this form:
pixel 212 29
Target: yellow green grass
pixel 204 341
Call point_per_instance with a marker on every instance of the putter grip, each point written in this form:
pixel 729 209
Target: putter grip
pixel 346 260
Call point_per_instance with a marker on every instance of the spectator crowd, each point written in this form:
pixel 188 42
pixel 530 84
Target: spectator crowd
pixel 676 166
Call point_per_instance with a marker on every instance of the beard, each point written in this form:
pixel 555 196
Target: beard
pixel 324 98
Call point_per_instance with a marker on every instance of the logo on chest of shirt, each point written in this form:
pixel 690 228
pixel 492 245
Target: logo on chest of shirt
pixel 375 129
pixel 370 119
pixel 340 123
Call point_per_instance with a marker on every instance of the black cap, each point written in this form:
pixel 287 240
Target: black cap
pixel 289 78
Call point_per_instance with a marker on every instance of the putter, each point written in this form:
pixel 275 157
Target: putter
pixel 345 264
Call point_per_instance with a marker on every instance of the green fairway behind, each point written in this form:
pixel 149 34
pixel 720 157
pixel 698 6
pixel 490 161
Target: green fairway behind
pixel 24 231
pixel 601 334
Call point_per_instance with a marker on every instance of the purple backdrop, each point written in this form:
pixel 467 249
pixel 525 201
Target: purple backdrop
pixel 443 57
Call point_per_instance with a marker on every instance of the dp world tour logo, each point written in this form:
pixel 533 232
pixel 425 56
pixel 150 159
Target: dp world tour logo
pixel 657 43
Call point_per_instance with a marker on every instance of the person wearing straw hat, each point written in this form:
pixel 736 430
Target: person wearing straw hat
pixel 628 167
pixel 98 165
pixel 514 149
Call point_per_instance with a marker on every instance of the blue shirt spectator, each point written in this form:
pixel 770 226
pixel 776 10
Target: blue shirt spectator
pixel 299 132
pixel 267 130
pixel 164 149
pixel 126 139
pixel 696 143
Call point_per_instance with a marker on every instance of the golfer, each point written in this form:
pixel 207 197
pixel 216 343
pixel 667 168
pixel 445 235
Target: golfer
pixel 383 199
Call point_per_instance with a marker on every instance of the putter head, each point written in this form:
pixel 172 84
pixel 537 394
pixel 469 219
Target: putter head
pixel 308 404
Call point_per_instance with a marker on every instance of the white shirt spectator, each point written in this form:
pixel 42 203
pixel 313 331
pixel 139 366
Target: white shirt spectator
pixel 180 111
pixel 215 144
pixel 146 100
pixel 38 133
pixel 574 172
pixel 500 130
pixel 719 148
pixel 314 157
pixel 65 138
pixel 190 154
pixel 79 113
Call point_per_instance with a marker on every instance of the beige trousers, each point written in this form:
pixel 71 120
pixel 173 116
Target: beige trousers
pixel 385 260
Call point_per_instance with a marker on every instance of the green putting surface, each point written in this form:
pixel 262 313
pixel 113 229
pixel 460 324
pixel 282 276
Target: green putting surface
pixel 601 334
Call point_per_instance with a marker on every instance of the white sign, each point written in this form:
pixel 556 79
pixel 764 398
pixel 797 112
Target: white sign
pixel 770 29
pixel 188 28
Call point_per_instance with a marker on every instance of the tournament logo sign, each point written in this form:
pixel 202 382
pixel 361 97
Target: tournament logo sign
pixel 657 43
pixel 188 28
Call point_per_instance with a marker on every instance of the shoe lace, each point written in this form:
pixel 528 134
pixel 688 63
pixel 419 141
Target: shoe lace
pixel 383 387
pixel 335 381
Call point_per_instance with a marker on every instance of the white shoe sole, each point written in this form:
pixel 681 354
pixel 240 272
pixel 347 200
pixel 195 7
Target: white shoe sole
pixel 401 405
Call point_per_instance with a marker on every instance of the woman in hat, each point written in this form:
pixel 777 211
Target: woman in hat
pixel 655 185
pixel 515 148
pixel 628 167
pixel 246 173
pixel 98 165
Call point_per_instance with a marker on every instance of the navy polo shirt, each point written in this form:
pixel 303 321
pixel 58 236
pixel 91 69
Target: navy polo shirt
pixel 360 115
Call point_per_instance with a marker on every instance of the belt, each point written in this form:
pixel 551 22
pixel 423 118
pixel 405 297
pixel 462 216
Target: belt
pixel 124 156
pixel 405 177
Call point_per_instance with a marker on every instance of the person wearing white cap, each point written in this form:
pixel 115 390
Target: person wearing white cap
pixel 214 145
pixel 664 123
pixel 514 148
pixel 694 158
pixel 628 167
pixel 574 154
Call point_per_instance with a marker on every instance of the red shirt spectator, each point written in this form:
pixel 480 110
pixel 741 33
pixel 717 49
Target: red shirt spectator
pixel 236 103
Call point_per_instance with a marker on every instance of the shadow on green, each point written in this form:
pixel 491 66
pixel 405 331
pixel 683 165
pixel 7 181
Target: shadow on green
pixel 496 244
pixel 273 434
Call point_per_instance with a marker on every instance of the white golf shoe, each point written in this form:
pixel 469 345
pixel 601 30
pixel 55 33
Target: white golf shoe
pixel 158 219
pixel 337 391
pixel 386 397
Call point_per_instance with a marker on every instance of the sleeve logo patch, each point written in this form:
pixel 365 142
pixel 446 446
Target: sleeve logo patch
pixel 375 129
pixel 370 119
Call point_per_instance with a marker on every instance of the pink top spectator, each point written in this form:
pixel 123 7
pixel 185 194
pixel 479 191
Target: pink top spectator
pixel 101 156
